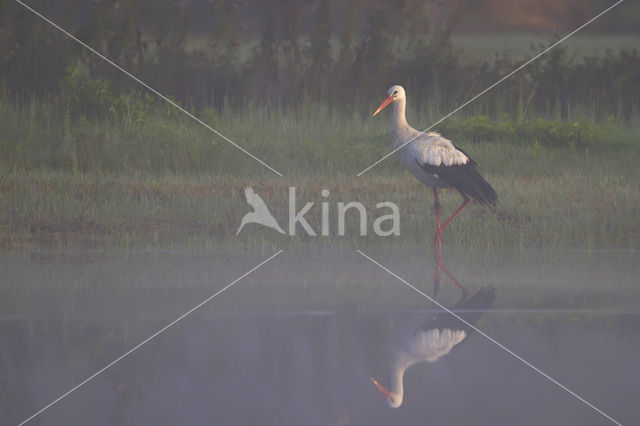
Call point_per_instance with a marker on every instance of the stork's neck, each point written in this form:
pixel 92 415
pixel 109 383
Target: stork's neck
pixel 400 124
pixel 399 366
pixel 401 129
pixel 397 384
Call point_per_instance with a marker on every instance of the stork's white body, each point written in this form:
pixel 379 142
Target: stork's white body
pixel 435 339
pixel 428 148
pixel 424 148
pixel 430 345
pixel 425 346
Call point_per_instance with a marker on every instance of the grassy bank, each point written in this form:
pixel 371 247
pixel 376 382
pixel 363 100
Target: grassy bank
pixel 547 198
pixel 143 175
pixel 105 134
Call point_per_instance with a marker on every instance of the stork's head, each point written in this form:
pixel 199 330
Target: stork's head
pixel 394 399
pixel 394 93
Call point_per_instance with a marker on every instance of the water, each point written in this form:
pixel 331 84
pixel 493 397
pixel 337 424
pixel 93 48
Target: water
pixel 296 342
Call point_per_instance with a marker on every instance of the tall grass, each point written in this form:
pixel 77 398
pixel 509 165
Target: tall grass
pixel 90 130
pixel 91 168
pixel 548 197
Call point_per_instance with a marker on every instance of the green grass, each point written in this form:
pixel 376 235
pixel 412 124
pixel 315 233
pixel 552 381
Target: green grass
pixel 143 175
pixel 90 130
pixel 548 197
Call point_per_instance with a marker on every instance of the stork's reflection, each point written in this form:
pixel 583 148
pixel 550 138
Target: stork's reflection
pixel 435 338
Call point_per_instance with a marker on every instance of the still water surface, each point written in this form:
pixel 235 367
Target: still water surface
pixel 305 355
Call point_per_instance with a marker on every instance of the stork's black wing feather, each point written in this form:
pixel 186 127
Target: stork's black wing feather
pixel 466 179
pixel 469 309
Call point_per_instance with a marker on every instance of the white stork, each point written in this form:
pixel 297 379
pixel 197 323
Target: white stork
pixel 437 163
pixel 434 339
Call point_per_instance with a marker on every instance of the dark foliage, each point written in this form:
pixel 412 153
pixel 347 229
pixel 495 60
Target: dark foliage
pixel 281 53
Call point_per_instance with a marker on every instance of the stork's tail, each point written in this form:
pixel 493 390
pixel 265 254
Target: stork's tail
pixel 474 306
pixel 469 309
pixel 469 182
pixel 478 188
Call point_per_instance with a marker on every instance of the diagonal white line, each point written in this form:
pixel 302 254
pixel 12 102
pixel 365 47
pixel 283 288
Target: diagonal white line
pixel 492 86
pixel 491 339
pixel 151 89
pixel 190 311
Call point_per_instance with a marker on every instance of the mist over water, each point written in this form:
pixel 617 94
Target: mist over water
pixel 305 355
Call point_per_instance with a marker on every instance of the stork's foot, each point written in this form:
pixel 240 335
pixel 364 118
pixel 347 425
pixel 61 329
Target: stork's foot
pixel 464 296
pixel 464 291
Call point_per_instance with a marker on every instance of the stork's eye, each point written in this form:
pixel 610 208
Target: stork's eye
pixel 395 92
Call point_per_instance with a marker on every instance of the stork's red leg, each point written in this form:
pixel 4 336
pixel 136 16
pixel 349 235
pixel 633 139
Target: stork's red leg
pixel 465 293
pixel 465 201
pixel 437 244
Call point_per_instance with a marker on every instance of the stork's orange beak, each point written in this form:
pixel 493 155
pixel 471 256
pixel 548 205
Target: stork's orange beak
pixel 381 388
pixel 384 103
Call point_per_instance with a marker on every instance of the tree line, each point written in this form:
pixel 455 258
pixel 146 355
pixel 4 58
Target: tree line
pixel 297 53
